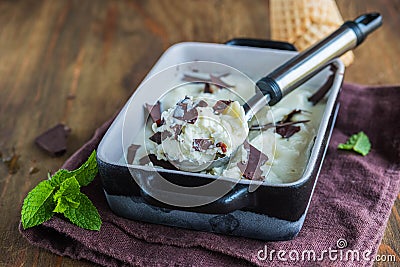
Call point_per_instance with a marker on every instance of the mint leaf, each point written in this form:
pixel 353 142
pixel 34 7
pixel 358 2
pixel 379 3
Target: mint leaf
pixel 85 215
pixel 67 194
pixel 61 194
pixel 38 205
pixel 84 174
pixel 60 176
pixel 357 142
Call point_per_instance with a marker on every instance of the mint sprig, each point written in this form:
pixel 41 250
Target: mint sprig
pixel 61 194
pixel 357 142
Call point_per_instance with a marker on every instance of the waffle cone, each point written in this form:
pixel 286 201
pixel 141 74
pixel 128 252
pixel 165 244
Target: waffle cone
pixel 305 22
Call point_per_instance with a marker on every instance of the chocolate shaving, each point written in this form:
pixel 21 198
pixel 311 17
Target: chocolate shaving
pixel 289 116
pixel 221 105
pixel 271 125
pixel 158 137
pixel 216 80
pixel 54 140
pixel 321 92
pixel 132 149
pixel 287 131
pixel 207 89
pixel 155 113
pixel 153 158
pixel 255 159
pixel 285 127
pixel 182 112
pixel 202 144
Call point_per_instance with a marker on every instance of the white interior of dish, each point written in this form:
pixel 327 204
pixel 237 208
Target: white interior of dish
pixel 254 62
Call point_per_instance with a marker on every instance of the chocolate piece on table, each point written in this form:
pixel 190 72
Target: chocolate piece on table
pixel 255 159
pixel 202 144
pixel 132 149
pixel 12 163
pixel 54 140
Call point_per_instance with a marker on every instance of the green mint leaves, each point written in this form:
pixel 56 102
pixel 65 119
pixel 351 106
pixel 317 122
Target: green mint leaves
pixel 357 142
pixel 61 194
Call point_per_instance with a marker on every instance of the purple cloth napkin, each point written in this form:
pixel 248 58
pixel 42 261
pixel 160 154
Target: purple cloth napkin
pixel 349 209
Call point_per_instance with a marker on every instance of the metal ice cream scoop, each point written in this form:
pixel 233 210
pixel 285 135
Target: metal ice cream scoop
pixel 296 71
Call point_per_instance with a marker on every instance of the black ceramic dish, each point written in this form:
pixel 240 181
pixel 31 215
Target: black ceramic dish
pixel 272 211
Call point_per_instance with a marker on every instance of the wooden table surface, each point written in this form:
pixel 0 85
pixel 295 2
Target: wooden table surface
pixel 77 62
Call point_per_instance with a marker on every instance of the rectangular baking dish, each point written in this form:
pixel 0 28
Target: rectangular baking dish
pixel 271 212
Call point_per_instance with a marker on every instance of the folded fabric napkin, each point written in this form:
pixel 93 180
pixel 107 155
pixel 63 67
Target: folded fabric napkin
pixel 348 212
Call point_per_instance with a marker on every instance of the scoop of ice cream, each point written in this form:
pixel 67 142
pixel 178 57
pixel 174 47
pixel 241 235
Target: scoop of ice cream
pixel 197 129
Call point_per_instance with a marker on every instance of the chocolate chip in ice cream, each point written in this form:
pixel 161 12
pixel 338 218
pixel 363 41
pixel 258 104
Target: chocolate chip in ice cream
pixel 207 89
pixel 155 112
pixel 221 105
pixel 255 159
pixel 201 104
pixel 202 144
pixel 185 111
pixel 158 137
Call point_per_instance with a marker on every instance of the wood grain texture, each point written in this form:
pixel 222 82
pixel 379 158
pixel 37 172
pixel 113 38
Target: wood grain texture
pixel 78 61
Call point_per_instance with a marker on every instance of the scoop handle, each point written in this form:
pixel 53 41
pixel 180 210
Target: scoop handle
pixel 306 64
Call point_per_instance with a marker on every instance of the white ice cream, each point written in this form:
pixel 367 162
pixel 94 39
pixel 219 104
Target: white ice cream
pixel 287 157
pixel 213 131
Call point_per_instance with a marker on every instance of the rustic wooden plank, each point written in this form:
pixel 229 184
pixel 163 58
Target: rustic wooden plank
pixel 78 61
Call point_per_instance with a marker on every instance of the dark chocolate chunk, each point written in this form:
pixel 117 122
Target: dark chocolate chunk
pixel 201 104
pixel 155 112
pixel 158 137
pixel 54 140
pixel 153 158
pixel 289 116
pixel 132 149
pixel 216 80
pixel 321 92
pixel 221 105
pixel 287 131
pixel 185 113
pixel 255 159
pixel 202 144
pixel 207 88
pixel 286 128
